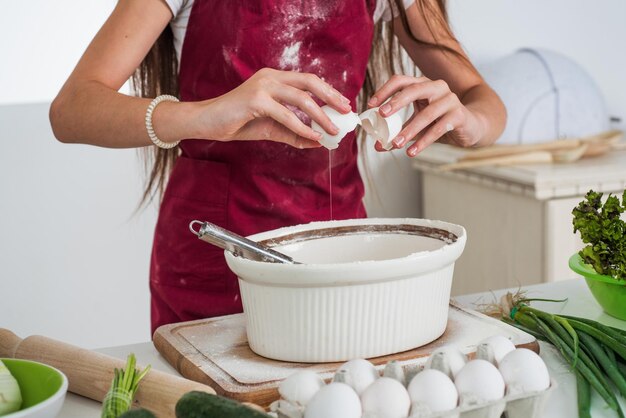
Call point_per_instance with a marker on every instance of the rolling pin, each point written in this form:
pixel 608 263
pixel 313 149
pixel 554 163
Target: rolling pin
pixel 90 374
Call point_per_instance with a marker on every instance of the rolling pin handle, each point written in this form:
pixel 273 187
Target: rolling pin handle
pixel 9 342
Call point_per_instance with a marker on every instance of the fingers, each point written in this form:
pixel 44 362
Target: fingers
pixel 279 133
pixel 295 141
pixel 319 88
pixel 379 147
pixel 393 85
pixel 305 102
pixel 269 129
pixel 284 116
pixel 427 91
pixel 432 134
pixel 427 116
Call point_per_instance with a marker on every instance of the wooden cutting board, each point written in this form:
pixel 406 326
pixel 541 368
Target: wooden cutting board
pixel 215 351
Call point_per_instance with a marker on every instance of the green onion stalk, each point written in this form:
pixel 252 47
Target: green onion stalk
pixel 121 395
pixel 595 352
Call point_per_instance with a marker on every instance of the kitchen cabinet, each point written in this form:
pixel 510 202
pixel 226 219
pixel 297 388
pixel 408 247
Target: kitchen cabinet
pixel 518 218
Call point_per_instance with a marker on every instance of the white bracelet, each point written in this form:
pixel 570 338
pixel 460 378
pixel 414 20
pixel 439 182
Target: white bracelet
pixel 153 104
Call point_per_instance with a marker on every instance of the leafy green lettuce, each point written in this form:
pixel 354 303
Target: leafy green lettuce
pixel 604 231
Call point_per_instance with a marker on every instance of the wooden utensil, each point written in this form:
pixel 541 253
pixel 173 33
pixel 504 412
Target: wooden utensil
pixel 90 373
pixel 535 157
pixel 506 150
pixel 611 136
pixel 596 149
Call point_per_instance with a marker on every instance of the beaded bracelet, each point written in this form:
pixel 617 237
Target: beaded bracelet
pixel 153 104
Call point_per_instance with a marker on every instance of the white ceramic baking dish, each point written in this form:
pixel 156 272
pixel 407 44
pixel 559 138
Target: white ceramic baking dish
pixel 365 288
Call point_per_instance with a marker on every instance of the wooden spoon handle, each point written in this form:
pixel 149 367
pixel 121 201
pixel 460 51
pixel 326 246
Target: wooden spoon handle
pixel 90 373
pixel 558 145
pixel 612 135
pixel 502 150
pixel 538 157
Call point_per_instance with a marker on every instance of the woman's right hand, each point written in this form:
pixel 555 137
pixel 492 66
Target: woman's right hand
pixel 258 109
pixel 90 110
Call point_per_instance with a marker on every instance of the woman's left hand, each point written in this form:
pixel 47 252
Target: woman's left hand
pixel 437 111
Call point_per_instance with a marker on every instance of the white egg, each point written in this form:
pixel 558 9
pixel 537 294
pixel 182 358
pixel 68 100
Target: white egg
pixel 335 400
pixel 524 371
pixel 385 398
pixel 478 382
pixel 361 374
pixel 300 387
pixel 432 390
pixel 497 346
pixel 447 359
pixel 381 128
pixel 345 122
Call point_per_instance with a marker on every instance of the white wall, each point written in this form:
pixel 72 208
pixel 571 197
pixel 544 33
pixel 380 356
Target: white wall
pixel 73 259
pixel 591 33
pixel 46 38
pixel 41 42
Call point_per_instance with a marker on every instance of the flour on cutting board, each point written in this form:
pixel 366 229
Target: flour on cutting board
pixel 224 343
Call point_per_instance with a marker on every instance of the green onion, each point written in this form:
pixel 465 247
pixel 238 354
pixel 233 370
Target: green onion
pixel 120 396
pixel 592 374
pixel 596 352
pixel 609 366
pixel 584 396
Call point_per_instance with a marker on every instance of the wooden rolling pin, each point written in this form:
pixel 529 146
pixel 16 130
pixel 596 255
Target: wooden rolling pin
pixel 90 373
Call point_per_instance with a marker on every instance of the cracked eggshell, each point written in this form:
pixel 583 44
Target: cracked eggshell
pixel 479 382
pixel 345 122
pixel 433 391
pixel 524 371
pixel 361 373
pixel 385 398
pixel 381 128
pixel 300 387
pixel 335 400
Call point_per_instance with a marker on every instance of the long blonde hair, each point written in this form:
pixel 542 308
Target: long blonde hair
pixel 158 74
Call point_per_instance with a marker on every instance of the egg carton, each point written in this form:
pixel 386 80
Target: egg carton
pixel 527 405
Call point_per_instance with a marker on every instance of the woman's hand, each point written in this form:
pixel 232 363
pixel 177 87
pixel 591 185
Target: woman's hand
pixel 263 108
pixel 437 111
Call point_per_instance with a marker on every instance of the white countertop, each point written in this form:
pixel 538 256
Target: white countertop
pixel 561 404
pixel 605 173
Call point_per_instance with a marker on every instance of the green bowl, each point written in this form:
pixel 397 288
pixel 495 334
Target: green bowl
pixel 43 388
pixel 610 293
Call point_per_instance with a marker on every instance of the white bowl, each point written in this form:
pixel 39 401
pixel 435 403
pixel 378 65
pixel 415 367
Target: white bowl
pixel 43 385
pixel 366 288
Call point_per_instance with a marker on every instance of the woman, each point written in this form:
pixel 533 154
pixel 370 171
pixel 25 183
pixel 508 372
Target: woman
pixel 252 75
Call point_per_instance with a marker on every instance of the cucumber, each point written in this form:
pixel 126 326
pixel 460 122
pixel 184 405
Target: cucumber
pixel 137 413
pixel 202 405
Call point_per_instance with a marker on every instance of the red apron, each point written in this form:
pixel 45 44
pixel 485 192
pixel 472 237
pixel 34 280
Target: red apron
pixel 253 186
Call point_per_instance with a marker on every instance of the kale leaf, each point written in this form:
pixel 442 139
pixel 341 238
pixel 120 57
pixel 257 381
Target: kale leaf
pixel 604 231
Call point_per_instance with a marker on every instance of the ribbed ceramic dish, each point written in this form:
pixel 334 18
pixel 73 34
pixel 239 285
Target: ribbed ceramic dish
pixel 365 288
